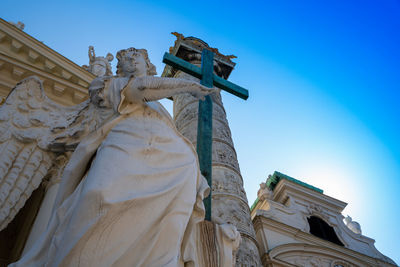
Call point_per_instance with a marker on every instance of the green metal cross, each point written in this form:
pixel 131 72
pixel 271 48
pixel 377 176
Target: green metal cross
pixel 204 126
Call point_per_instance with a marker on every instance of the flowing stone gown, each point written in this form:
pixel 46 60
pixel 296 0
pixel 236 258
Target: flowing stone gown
pixel 133 205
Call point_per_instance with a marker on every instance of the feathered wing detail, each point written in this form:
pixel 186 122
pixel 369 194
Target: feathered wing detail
pixel 29 125
pixel 89 118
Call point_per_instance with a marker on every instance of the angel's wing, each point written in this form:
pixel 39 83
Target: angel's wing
pixel 29 123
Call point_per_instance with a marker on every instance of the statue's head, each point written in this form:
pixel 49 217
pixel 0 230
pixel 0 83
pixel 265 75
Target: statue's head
pixel 99 66
pixel 134 62
pixel 263 185
pixel 348 219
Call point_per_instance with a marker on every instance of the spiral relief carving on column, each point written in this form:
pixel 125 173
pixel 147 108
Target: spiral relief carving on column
pixel 229 201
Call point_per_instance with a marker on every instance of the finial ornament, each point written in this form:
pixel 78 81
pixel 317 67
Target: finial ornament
pixel 264 192
pixel 200 43
pixel 20 25
pixel 353 225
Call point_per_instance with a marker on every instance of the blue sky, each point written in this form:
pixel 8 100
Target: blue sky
pixel 324 82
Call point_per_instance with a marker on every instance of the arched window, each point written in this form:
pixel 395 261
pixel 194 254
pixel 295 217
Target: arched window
pixel 321 229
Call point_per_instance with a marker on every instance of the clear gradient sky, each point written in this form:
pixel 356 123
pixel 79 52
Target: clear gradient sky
pixel 324 81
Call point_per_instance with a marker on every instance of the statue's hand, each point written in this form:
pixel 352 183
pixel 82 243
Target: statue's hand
pixel 200 91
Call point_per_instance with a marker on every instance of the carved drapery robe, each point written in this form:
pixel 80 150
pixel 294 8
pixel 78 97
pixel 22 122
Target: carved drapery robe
pixel 135 202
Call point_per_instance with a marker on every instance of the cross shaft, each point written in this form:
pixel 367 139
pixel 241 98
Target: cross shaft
pixel 204 122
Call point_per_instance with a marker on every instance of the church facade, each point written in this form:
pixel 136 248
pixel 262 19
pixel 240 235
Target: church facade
pixel 290 224
pixel 297 225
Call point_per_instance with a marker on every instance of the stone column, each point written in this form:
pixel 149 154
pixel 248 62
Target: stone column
pixel 229 201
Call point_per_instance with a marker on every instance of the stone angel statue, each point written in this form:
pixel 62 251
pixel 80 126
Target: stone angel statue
pixel 132 186
pixel 264 192
pixel 31 126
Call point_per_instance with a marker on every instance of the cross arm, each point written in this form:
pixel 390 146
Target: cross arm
pixel 195 71
pixel 182 65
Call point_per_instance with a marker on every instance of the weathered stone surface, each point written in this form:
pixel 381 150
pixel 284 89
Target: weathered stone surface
pixel 248 256
pixel 145 174
pixel 228 209
pixel 189 112
pixel 22 55
pixel 224 154
pixel 99 66
pixel 228 182
pixel 229 201
pixel 221 132
pixel 284 232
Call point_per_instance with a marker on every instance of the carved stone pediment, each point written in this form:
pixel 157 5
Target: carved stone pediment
pixel 316 256
pixel 299 213
pixel 22 56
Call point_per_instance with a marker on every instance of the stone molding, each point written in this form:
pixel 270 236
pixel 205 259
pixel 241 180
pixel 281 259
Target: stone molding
pixel 302 254
pixel 286 188
pixel 286 215
pixel 229 200
pixel 22 55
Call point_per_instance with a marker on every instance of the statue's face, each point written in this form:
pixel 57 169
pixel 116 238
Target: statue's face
pixel 97 97
pixel 99 68
pixel 134 64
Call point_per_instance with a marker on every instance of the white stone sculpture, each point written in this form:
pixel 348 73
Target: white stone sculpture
pixel 99 66
pixel 353 225
pixel 264 192
pixel 228 240
pixel 29 123
pixel 134 205
pixel 20 25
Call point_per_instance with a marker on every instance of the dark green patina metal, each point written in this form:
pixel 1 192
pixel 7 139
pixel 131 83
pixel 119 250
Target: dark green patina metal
pixel 254 204
pixel 204 126
pixel 195 71
pixel 273 180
